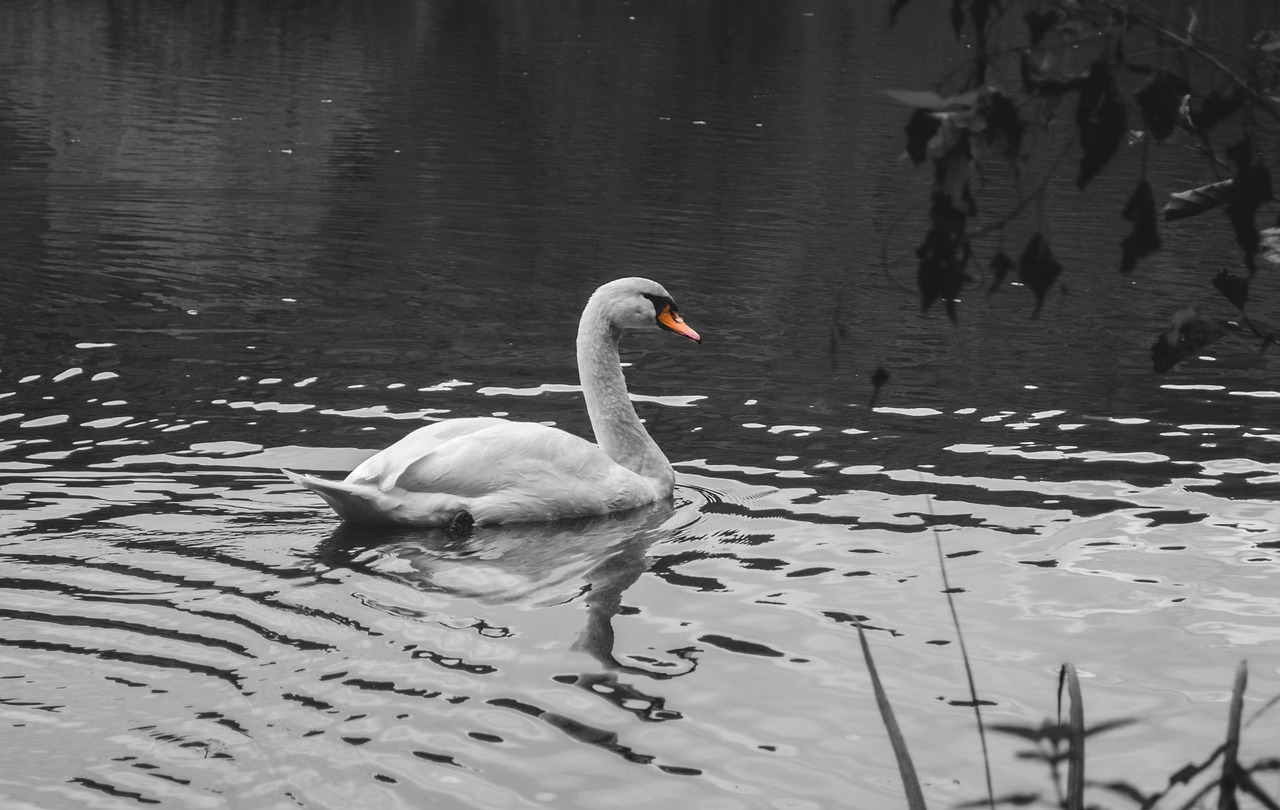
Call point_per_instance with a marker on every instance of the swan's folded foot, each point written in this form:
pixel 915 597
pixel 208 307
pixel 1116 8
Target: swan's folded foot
pixel 460 527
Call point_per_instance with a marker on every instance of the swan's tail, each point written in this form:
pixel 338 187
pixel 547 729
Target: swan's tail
pixel 353 502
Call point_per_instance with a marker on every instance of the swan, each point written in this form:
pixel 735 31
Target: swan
pixel 484 470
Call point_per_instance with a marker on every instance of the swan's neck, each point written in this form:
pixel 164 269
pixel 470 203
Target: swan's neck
pixel 618 429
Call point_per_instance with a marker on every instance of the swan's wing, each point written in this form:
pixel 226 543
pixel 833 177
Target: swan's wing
pixel 471 458
pixel 383 468
pixel 510 457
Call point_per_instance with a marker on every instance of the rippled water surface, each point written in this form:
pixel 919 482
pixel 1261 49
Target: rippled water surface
pixel 239 237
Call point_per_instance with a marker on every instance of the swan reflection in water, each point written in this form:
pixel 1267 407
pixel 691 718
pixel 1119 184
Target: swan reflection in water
pixel 592 559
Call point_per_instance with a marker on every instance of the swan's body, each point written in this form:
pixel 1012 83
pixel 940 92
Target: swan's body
pixel 487 470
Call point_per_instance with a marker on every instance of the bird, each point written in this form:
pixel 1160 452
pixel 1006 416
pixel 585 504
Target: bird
pixel 477 471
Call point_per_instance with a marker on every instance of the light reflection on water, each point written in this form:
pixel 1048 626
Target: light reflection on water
pixel 282 239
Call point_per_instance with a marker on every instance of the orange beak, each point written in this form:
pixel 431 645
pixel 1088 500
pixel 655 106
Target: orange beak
pixel 670 320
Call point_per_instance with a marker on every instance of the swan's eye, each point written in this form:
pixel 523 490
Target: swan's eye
pixel 661 304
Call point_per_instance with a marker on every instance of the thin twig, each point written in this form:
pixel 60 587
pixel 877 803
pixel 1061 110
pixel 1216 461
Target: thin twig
pixel 1151 20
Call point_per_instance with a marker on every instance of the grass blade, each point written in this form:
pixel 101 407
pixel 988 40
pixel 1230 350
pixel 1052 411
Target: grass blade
pixel 1231 749
pixel 1075 741
pixel 910 782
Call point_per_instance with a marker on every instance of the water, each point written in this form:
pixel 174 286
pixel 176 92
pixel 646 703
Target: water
pixel 246 237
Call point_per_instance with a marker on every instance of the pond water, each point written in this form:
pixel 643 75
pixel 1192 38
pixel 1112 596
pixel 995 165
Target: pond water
pixel 240 237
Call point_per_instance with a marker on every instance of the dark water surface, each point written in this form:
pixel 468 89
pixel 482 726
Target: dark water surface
pixel 241 236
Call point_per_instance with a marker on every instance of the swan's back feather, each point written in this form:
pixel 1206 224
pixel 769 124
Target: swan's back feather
pixel 496 470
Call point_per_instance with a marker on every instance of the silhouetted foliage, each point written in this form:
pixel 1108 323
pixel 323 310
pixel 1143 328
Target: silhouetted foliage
pixel 1145 238
pixel 1160 100
pixel 1001 264
pixel 1129 81
pixel 1037 268
pixel 1233 288
pixel 1102 118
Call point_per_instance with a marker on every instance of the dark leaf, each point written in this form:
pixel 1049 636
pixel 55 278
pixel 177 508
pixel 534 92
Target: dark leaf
pixel 1101 118
pixel 1145 238
pixel 957 16
pixel 1039 756
pixel 951 175
pixel 1251 188
pixel 1188 336
pixel 1001 264
pixel 879 378
pixel 1032 733
pixel 1010 799
pixel 1187 772
pixel 1214 109
pixel 943 255
pixel 1108 725
pixel 894 8
pixel 1197 200
pixel 1037 268
pixel 980 11
pixel 1241 153
pixel 1040 23
pixel 1233 288
pixel 920 129
pixel 1160 100
pixel 1004 126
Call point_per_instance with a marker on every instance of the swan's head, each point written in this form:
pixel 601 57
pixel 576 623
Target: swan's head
pixel 638 303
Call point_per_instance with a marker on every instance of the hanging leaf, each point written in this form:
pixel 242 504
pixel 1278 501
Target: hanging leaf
pixel 1233 288
pixel 951 176
pixel 896 7
pixel 1197 200
pixel 957 16
pixel 1145 238
pixel 1252 187
pixel 1214 109
pixel 1041 23
pixel 1002 127
pixel 1188 335
pixel 920 129
pixel 1160 100
pixel 943 255
pixel 980 12
pixel 1038 269
pixel 879 378
pixel 1101 118
pixel 1001 264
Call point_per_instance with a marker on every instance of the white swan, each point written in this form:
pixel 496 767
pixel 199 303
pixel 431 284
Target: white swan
pixel 485 470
